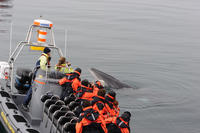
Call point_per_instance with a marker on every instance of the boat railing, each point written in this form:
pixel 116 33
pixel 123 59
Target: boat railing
pixel 25 57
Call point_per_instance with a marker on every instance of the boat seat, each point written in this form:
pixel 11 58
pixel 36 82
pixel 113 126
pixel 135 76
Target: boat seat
pixel 73 104
pixel 69 128
pixel 64 108
pixel 47 104
pixel 69 113
pixel 62 120
pixel 57 115
pixel 69 99
pixel 52 109
pixel 74 120
pixel 59 102
pixel 55 97
pixel 77 110
pixel 45 97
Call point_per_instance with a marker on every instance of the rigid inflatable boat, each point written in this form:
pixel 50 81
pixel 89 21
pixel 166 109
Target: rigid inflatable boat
pixel 16 78
pixel 46 112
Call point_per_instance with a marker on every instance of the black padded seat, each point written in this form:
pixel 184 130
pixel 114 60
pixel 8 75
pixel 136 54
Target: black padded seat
pixel 59 102
pixel 69 99
pixel 48 103
pixel 55 97
pixel 57 115
pixel 69 128
pixel 78 110
pixel 69 114
pixel 74 120
pixel 62 120
pixel 52 109
pixel 73 105
pixel 45 97
pixel 64 108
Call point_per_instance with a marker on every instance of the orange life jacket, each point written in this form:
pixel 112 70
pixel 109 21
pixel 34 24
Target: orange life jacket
pixel 96 87
pixel 70 77
pixel 87 96
pixel 112 109
pixel 75 84
pixel 119 122
pixel 123 125
pixel 95 90
pixel 88 117
pixel 85 92
pixel 98 104
pixel 65 79
pixel 117 110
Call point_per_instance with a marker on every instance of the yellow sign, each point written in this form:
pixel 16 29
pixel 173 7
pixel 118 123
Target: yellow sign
pixel 39 48
pixel 6 122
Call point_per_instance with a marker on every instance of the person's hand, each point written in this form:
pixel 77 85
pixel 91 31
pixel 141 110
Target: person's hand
pixel 68 64
pixel 49 58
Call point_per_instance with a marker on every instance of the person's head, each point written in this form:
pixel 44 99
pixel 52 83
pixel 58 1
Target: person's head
pixel 78 71
pixel 101 92
pixel 62 60
pixel 99 84
pixel 68 64
pixel 85 82
pixel 47 50
pixel 126 116
pixel 112 94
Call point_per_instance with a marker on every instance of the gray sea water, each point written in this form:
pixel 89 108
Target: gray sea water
pixel 152 45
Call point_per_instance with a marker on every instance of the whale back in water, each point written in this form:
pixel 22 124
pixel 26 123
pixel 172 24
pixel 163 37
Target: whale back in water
pixel 109 80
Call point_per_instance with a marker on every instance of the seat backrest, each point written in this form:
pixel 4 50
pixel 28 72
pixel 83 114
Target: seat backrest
pixel 69 113
pixel 59 102
pixel 73 104
pixel 49 102
pixel 45 97
pixel 53 108
pixel 58 114
pixel 64 119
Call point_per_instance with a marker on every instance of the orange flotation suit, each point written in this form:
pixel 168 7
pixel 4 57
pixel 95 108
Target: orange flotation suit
pixel 88 117
pixel 120 123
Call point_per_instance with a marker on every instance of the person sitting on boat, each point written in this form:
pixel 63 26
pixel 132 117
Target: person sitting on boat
pixel 63 66
pixel 43 63
pixel 69 81
pixel 119 124
pixel 99 102
pixel 116 107
pixel 90 120
pixel 77 81
pixel 110 106
pixel 99 84
pixel 85 91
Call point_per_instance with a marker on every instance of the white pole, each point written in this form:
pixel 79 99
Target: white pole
pixel 69 67
pixel 10 39
pixel 65 43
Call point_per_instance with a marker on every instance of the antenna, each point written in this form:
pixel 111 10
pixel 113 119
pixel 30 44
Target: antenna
pixel 10 39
